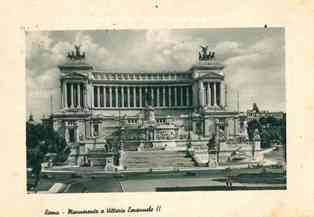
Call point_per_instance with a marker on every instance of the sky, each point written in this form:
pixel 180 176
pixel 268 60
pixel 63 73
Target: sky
pixel 254 60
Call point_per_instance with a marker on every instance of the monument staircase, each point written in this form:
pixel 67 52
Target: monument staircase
pixel 132 146
pixel 156 159
pixel 98 157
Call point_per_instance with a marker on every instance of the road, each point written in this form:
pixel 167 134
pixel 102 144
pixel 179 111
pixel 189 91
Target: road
pixel 162 182
pixel 202 180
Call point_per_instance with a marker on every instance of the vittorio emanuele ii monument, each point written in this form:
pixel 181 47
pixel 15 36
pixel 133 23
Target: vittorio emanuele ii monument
pixel 146 119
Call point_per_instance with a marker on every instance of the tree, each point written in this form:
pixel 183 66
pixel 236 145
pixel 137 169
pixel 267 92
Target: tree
pixel 252 125
pixel 271 129
pixel 41 140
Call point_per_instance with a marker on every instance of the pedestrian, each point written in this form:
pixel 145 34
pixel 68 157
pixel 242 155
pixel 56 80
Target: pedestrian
pixel 228 178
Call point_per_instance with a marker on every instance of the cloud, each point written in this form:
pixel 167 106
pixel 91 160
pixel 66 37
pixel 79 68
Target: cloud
pixel 257 72
pixel 43 55
pixel 228 49
pixel 95 54
pixel 159 50
pixel 255 69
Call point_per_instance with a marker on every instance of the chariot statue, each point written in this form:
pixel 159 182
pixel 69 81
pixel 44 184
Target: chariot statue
pixel 77 55
pixel 204 54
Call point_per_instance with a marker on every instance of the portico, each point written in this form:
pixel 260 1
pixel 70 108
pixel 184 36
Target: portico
pixel 213 93
pixel 74 94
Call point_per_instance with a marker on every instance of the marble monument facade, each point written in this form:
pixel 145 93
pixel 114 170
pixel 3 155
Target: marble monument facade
pixel 95 104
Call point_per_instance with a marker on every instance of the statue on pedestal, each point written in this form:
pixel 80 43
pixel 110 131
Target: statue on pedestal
pixel 246 134
pixel 212 152
pixel 204 55
pixel 77 55
pixel 256 142
pixel 67 135
pixel 141 147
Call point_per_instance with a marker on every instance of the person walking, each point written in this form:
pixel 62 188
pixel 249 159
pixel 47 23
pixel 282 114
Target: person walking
pixel 228 178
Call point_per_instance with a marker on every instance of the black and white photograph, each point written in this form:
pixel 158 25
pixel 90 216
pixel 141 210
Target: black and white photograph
pixel 155 110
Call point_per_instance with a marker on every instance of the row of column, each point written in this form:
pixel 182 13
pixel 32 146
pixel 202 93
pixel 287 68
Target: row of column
pixel 136 97
pixel 211 93
pixel 74 95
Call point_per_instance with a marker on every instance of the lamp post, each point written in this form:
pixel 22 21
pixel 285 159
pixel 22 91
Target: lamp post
pixel 211 151
pixel 217 140
pixel 214 147
pixel 189 142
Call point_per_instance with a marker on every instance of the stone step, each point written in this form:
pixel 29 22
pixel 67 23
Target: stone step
pixel 159 153
pixel 150 159
pixel 159 165
pixel 156 156
pixel 157 159
pixel 128 159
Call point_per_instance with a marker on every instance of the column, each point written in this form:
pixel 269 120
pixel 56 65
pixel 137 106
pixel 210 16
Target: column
pixel 169 96
pixel 65 95
pixel 181 96
pixel 191 94
pixel 201 93
pixel 205 93
pixel 122 96
pixel 134 96
pixel 215 100
pixel 82 95
pixel 84 104
pixel 187 89
pixel 128 96
pixel 117 98
pixel 98 96
pixel 91 128
pixel 61 95
pixel 110 96
pixel 104 87
pixel 195 95
pixel 72 93
pixel 152 96
pixel 164 96
pixel 158 99
pixel 145 97
pixel 222 93
pixel 211 93
pixel 209 97
pixel 91 88
pixel 141 98
pixel 175 96
pixel 78 95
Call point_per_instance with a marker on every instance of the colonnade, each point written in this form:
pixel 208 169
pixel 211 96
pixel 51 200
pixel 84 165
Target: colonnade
pixel 134 96
pixel 131 96
pixel 211 93
pixel 74 95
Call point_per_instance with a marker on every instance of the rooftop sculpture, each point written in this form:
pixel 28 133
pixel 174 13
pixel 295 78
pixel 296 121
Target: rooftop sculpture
pixel 206 55
pixel 77 54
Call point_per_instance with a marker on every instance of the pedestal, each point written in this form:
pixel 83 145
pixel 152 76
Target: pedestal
pixel 212 159
pixel 109 164
pixel 209 127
